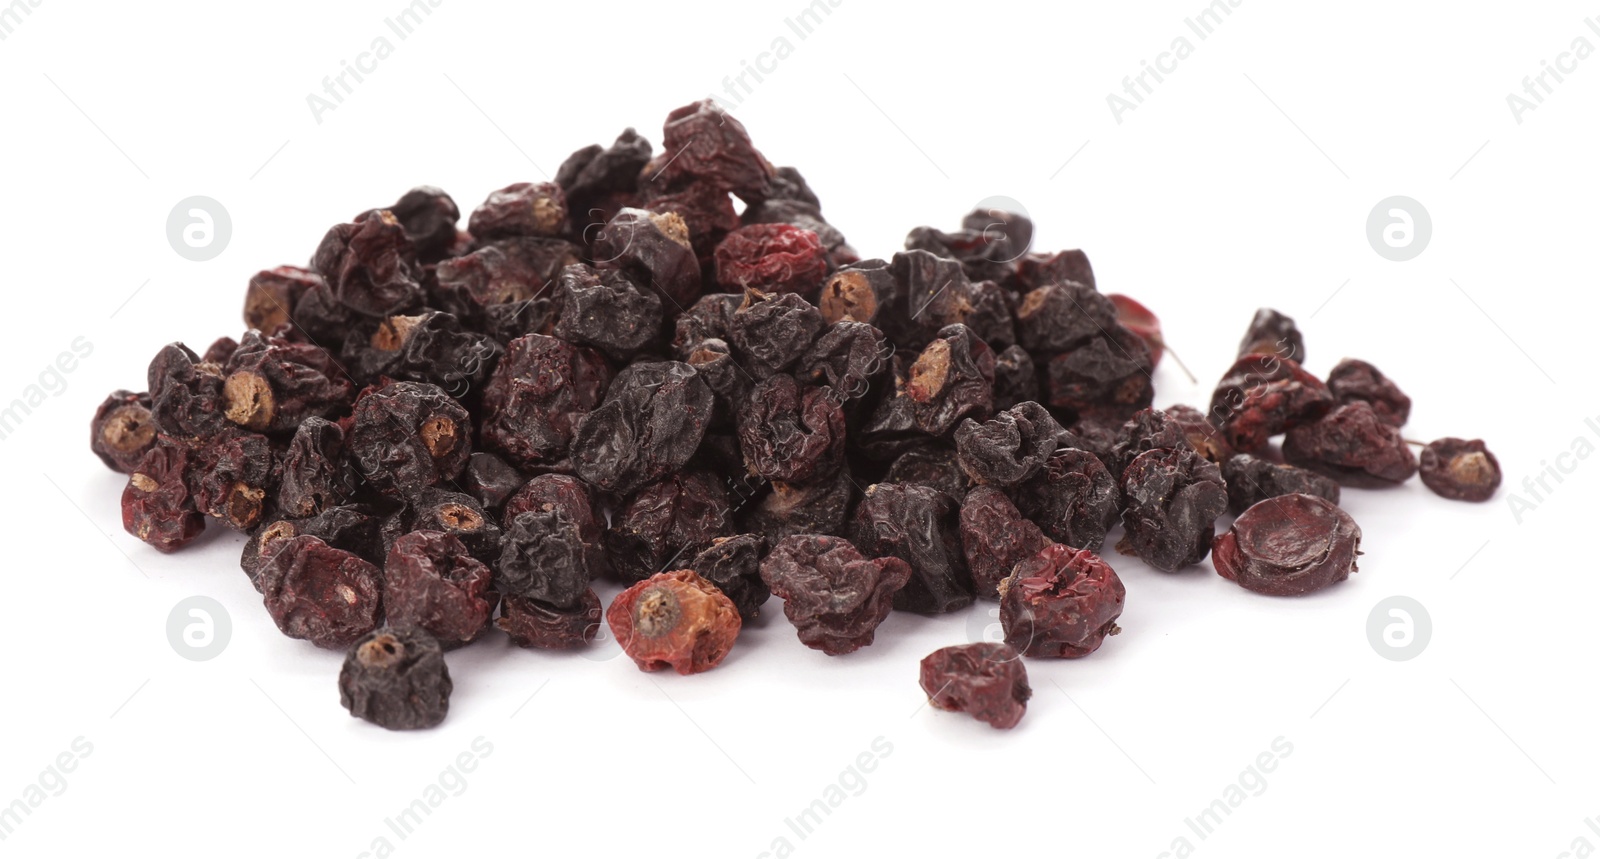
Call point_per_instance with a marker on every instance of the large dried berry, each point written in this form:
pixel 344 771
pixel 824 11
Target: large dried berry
pixel 733 564
pixel 710 318
pixel 1353 445
pixel 665 523
pixel 324 595
pixel 185 393
pixel 651 422
pixel 1074 498
pixel 987 681
pixel 523 209
pixel 1252 480
pixel 791 432
pixel 654 249
pixel 1107 378
pixel 426 347
pixel 1264 395
pixel 157 506
pixel 543 557
pixel 1061 602
pixel 774 258
pixel 371 265
pixel 604 309
pixel 835 597
pixel 430 580
pixel 933 465
pixel 429 217
pixel 536 397
pixel 994 537
pixel 1460 470
pixel 540 626
pixel 706 210
pixel 1008 448
pixel 122 430
pixel 674 620
pixel 922 527
pixel 396 678
pixel 1357 381
pixel 701 142
pixel 929 293
pixel 1288 546
pixel 273 384
pixel 593 176
pixel 316 474
pixel 772 331
pixel 408 436
pixel 1171 501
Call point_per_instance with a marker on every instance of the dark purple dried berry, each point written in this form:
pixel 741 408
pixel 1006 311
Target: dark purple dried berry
pixel 791 433
pixel 370 265
pixel 772 331
pixel 1008 448
pixel 1062 317
pixel 157 506
pixel 273 384
pixel 461 516
pixel 271 296
pixel 544 627
pixel 934 466
pixel 324 595
pixel 490 479
pixel 1108 378
pixel 662 526
pixel 1073 498
pixel 316 474
pixel 185 393
pixel 1288 546
pixel 1061 602
pixel 651 422
pixel 733 564
pixel 1264 395
pixel 816 508
pixel 429 217
pixel 233 474
pixel 951 380
pixel 396 678
pixel 835 597
pixel 408 436
pixel 543 557
pixel 1171 501
pixel 1460 470
pixel 654 249
pixel 1036 270
pixel 523 209
pixel 1357 381
pixel 1016 380
pixel 430 580
pixel 994 537
pixel 604 309
pixel 1354 446
pixel 985 680
pixel 920 526
pixel 1272 333
pixel 1252 480
pixel 536 397
pixel 703 143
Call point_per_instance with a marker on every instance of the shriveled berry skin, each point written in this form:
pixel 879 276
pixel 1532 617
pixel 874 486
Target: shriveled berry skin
pixel 1060 602
pixel 185 393
pixel 540 626
pixel 706 210
pixel 538 393
pixel 1264 395
pixel 733 564
pixel 122 430
pixel 834 596
pixel 1074 498
pixel 370 265
pixel 273 293
pixel 543 557
pixel 355 528
pixel 1460 470
pixel 429 346
pixel 1352 381
pixel 791 432
pixel 522 209
pixel 986 680
pixel 406 437
pixel 922 527
pixel 928 293
pixel 1036 269
pixel 994 537
pixel 316 473
pixel 1008 448
pixel 1106 378
pixel 1206 439
pixel 952 379
pixel 490 479
pixel 571 496
pixel 396 678
pixel 701 142
pixel 1272 333
pixel 674 620
pixel 1143 322
pixel 654 249
pixel 157 506
pixel 666 522
pixel 772 258
pixel 233 475
pixel 813 508
pixel 650 424
pixel 771 331
pixel 936 466
pixel 324 595
pixel 272 384
pixel 606 310
pixel 1252 480
pixel 848 357
pixel 1062 317
pixel 430 580
pixel 1354 446
pixel 594 174
pixel 503 286
pixel 1171 501
pixel 459 515
pixel 429 216
pixel 710 318
pixel 1149 429
pixel 1288 546
pixel 1016 379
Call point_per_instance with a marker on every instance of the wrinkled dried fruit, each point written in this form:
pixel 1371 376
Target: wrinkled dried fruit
pixel 995 536
pixel 396 678
pixel 430 580
pixel 123 430
pixel 324 595
pixel 156 505
pixel 985 680
pixel 835 597
pixel 1171 501
pixel 674 620
pixel 1264 395
pixel 1060 602
pixel 733 564
pixel 544 627
pixel 1354 446
pixel 1252 480
pixel 1357 381
pixel 1460 470
pixel 922 527
pixel 1288 546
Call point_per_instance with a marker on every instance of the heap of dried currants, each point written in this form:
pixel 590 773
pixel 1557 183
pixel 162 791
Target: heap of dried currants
pixel 433 435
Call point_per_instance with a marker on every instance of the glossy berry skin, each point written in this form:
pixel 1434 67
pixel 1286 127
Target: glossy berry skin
pixel 1252 480
pixel 539 626
pixel 539 392
pixel 654 249
pixel 523 209
pixel 430 580
pixel 406 437
pixel 607 311
pixel 1357 381
pixel 157 506
pixel 994 537
pixel 920 526
pixel 324 595
pixel 1171 501
pixel 1288 546
pixel 1264 395
pixel 1353 445
pixel 396 678
pixel 1460 470
pixel 987 681
pixel 772 258
pixel 650 424
pixel 674 620
pixel 428 215
pixel 122 430
pixel 834 596
pixel 1061 603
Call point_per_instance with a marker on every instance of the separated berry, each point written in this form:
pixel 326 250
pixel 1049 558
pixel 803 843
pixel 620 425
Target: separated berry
pixel 1010 447
pixel 674 620
pixel 1288 546
pixel 733 564
pixel 523 209
pixel 985 680
pixel 1353 445
pixel 835 597
pixel 396 678
pixel 1460 470
pixel 1272 333
pixel 406 437
pixel 324 595
pixel 1060 602
pixel 1357 381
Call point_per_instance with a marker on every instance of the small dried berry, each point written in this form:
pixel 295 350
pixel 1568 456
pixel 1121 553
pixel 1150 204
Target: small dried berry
pixel 430 580
pixel 701 142
pixel 544 627
pixel 774 258
pixel 935 466
pixel 1074 498
pixel 814 508
pixel 1357 381
pixel 994 537
pixel 406 437
pixel 122 430
pixel 1264 395
pixel 324 595
pixel 459 515
pixel 538 393
pixel 232 476
pixel 985 680
pixel 272 294
pixel 370 265
pixel 157 506
pixel 1106 378
pixel 922 527
pixel 523 209
pixel 1008 448
pixel 1252 480
pixel 1272 333
pixel 1353 445
pixel 951 380
pixel 835 597
pixel 490 480
pixel 654 249
pixel 674 620
pixel 396 678
pixel 185 393
pixel 1171 501
pixel 1060 602
pixel 1460 470
pixel 316 474
pixel 1288 546
pixel 429 218
pixel 273 384
pixel 1016 379
pixel 733 564
pixel 1062 317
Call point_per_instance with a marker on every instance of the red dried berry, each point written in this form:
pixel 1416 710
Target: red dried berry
pixel 985 680
pixel 1288 546
pixel 1060 602
pixel 156 505
pixel 430 580
pixel 1460 470
pixel 324 595
pixel 1354 446
pixel 1354 381
pixel 122 430
pixel 523 209
pixel 1264 395
pixel 772 258
pixel 995 536
pixel 674 620
pixel 540 626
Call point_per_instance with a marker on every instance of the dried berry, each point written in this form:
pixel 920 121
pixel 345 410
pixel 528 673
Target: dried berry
pixel 1204 438
pixel 863 292
pixel 1010 447
pixel 733 564
pixel 490 480
pixel 1264 395
pixel 157 506
pixel 396 678
pixel 571 496
pixel 604 309
pixel 1016 380
pixel 430 580
pixel 273 384
pixel 408 436
pixel 791 433
pixel 774 258
pixel 654 249
pixel 352 527
pixel 1357 381
pixel 544 627
pixel 929 293
pixel 324 595
pixel 985 680
pixel 1036 270
pixel 1252 480
pixel 272 294
pixel 665 523
pixel 1171 501
pixel 523 209
pixel 593 176
pixel 459 515
pixel 1143 322
pixel 1064 316
pixel 674 620
pixel 511 280
pixel 920 526
pixel 835 597
pixel 935 466
pixel 1060 602
pixel 123 430
pixel 232 474
pixel 772 331
pixel 316 474
pixel 701 142
pixel 429 217
pixel 1288 546
pixel 815 508
pixel 951 380
pixel 543 557
pixel 1272 333
pixel 370 265
pixel 1074 499
pixel 994 537
pixel 1460 470
pixel 185 393
pixel 426 347
pixel 540 390
pixel 1354 446
pixel 1107 378
pixel 650 423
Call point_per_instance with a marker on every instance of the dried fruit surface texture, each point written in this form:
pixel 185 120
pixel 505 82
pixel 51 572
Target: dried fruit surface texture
pixel 396 678
pixel 834 596
pixel 1060 602
pixel 1460 470
pixel 1288 546
pixel 674 620
pixel 985 680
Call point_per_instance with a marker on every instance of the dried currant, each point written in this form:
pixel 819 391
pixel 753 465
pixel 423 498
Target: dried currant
pixel 1074 498
pixel 1357 381
pixel 1060 602
pixel 1354 446
pixel 543 557
pixel 1272 333
pixel 674 620
pixel 122 430
pixel 922 527
pixel 430 580
pixel 815 508
pixel 986 680
pixel 1288 546
pixel 272 294
pixel 536 397
pixel 544 627
pixel 834 596
pixel 185 393
pixel 1008 448
pixel 232 476
pixel 408 436
pixel 523 209
pixel 791 432
pixel 273 384
pixel 701 142
pixel 428 216
pixel 774 258
pixel 994 537
pixel 654 249
pixel 324 595
pixel 1460 470
pixel 772 331
pixel 371 265
pixel 605 310
pixel 396 678
pixel 316 474
pixel 1171 501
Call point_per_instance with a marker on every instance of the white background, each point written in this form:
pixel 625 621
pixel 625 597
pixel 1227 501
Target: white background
pixel 1245 179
